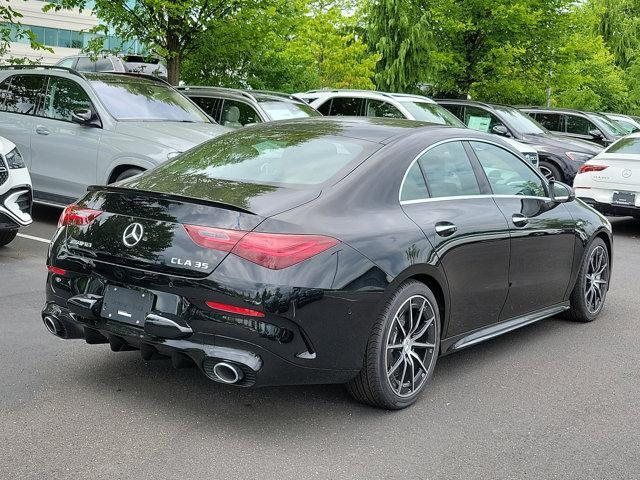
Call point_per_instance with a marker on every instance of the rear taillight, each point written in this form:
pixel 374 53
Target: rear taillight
pixel 271 250
pixel 56 270
pixel 75 215
pixel 591 168
pixel 224 307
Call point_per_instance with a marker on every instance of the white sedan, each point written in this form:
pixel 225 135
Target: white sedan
pixel 610 181
pixel 15 192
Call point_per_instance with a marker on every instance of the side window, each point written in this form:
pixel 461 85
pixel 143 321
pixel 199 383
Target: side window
pixel 579 125
pixel 346 106
pixel 67 63
pixel 212 106
pixel 63 97
pixel 507 174
pixel 479 119
pixel 378 108
pixel 551 121
pixel 325 108
pixel 85 65
pixel 448 171
pixel 414 187
pixel 455 109
pixel 24 94
pixel 238 114
pixel 104 65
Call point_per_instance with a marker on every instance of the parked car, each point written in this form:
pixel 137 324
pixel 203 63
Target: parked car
pixel 369 103
pixel 15 192
pixel 76 129
pixel 628 123
pixel 236 108
pixel 610 182
pixel 240 257
pixel 560 157
pixel 589 126
pixel 115 64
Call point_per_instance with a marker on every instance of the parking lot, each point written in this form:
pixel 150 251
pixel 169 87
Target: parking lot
pixel 553 400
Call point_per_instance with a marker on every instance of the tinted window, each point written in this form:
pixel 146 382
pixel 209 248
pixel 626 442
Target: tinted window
pixel 480 119
pixel 85 65
pixel 288 156
pixel 24 93
pixel 448 171
pixel 344 106
pixel 507 174
pixel 414 187
pixel 377 108
pixel 325 108
pixel 283 110
pixel 627 145
pixel 63 97
pixel 454 109
pixel 104 65
pixel 579 125
pixel 518 121
pixel 237 114
pixel 550 121
pixel 133 99
pixel 213 106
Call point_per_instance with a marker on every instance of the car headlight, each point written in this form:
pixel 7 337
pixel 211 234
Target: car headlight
pixel 14 159
pixel 579 156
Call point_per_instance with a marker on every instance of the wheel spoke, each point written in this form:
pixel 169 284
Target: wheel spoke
pixel 413 374
pixel 414 355
pixel 395 366
pixel 397 345
pixel 423 329
pixel 401 382
pixel 423 345
pixel 397 320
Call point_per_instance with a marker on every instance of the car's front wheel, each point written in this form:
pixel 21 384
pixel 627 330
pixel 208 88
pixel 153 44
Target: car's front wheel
pixel 401 351
pixel 7 236
pixel 592 284
pixel 550 171
pixel 128 173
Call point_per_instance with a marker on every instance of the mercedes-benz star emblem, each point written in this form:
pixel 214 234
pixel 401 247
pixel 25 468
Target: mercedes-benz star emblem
pixel 132 234
pixel 626 173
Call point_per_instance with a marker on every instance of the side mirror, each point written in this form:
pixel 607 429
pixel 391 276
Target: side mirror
pixel 501 130
pixel 596 134
pixel 84 116
pixel 560 192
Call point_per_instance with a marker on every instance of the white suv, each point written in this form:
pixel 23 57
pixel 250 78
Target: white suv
pixel 369 103
pixel 15 192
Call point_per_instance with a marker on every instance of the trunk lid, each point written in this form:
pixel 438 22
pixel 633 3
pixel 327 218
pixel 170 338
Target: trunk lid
pixel 620 173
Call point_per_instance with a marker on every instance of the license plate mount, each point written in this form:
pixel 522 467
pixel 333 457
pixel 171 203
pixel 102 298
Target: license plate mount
pixel 624 198
pixel 126 305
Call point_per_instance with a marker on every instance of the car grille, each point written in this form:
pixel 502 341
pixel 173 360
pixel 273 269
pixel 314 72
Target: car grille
pixel 4 172
pixel 24 202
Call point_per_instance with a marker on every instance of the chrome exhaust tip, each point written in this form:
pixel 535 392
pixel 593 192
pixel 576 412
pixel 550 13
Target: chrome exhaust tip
pixel 227 373
pixel 52 325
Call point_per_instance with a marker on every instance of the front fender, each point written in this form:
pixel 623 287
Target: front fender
pixel 132 161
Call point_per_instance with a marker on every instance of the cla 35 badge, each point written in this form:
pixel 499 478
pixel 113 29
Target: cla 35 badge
pixel 132 234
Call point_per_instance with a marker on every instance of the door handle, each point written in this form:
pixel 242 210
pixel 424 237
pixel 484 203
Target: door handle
pixel 519 220
pixel 42 130
pixel 444 229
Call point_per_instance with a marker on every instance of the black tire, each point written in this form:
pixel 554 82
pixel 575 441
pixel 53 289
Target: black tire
pixel 550 171
pixel 582 309
pixel 128 173
pixel 7 236
pixel 378 383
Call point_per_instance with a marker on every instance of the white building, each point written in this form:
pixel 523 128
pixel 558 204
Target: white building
pixel 63 31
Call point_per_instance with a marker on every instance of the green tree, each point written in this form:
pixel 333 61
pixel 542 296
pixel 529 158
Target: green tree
pixel 11 30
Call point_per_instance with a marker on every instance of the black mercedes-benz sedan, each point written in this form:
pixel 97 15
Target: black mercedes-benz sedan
pixel 329 250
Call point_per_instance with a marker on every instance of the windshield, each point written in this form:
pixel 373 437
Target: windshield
pixel 147 101
pixel 624 123
pixel 625 146
pixel 520 122
pixel 286 156
pixel 607 125
pixel 278 110
pixel 431 112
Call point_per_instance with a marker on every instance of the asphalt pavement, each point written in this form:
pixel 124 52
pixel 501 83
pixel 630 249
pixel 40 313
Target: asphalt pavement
pixel 553 400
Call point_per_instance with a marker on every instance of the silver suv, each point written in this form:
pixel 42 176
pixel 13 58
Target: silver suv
pixel 76 129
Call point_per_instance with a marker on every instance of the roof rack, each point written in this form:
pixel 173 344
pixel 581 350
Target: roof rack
pixel 354 90
pixel 238 91
pixel 42 67
pixel 147 76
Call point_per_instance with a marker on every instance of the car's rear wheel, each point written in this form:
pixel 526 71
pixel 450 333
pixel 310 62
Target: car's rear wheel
pixel 592 284
pixel 550 171
pixel 401 351
pixel 128 173
pixel 7 236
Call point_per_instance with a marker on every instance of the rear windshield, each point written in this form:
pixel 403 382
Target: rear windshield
pixel 286 110
pixel 146 101
pixel 431 112
pixel 285 156
pixel 627 145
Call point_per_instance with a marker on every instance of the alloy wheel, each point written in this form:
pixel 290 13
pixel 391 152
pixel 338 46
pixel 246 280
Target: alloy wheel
pixel 410 347
pixel 596 279
pixel 548 174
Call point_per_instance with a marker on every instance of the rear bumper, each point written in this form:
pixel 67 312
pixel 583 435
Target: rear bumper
pixel 612 210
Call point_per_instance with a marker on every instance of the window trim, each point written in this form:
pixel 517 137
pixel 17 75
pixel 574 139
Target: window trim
pixel 473 160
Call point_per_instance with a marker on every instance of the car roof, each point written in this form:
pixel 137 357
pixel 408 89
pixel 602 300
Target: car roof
pixel 462 101
pixel 111 77
pixel 364 93
pixel 559 110
pixel 372 129
pixel 255 95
